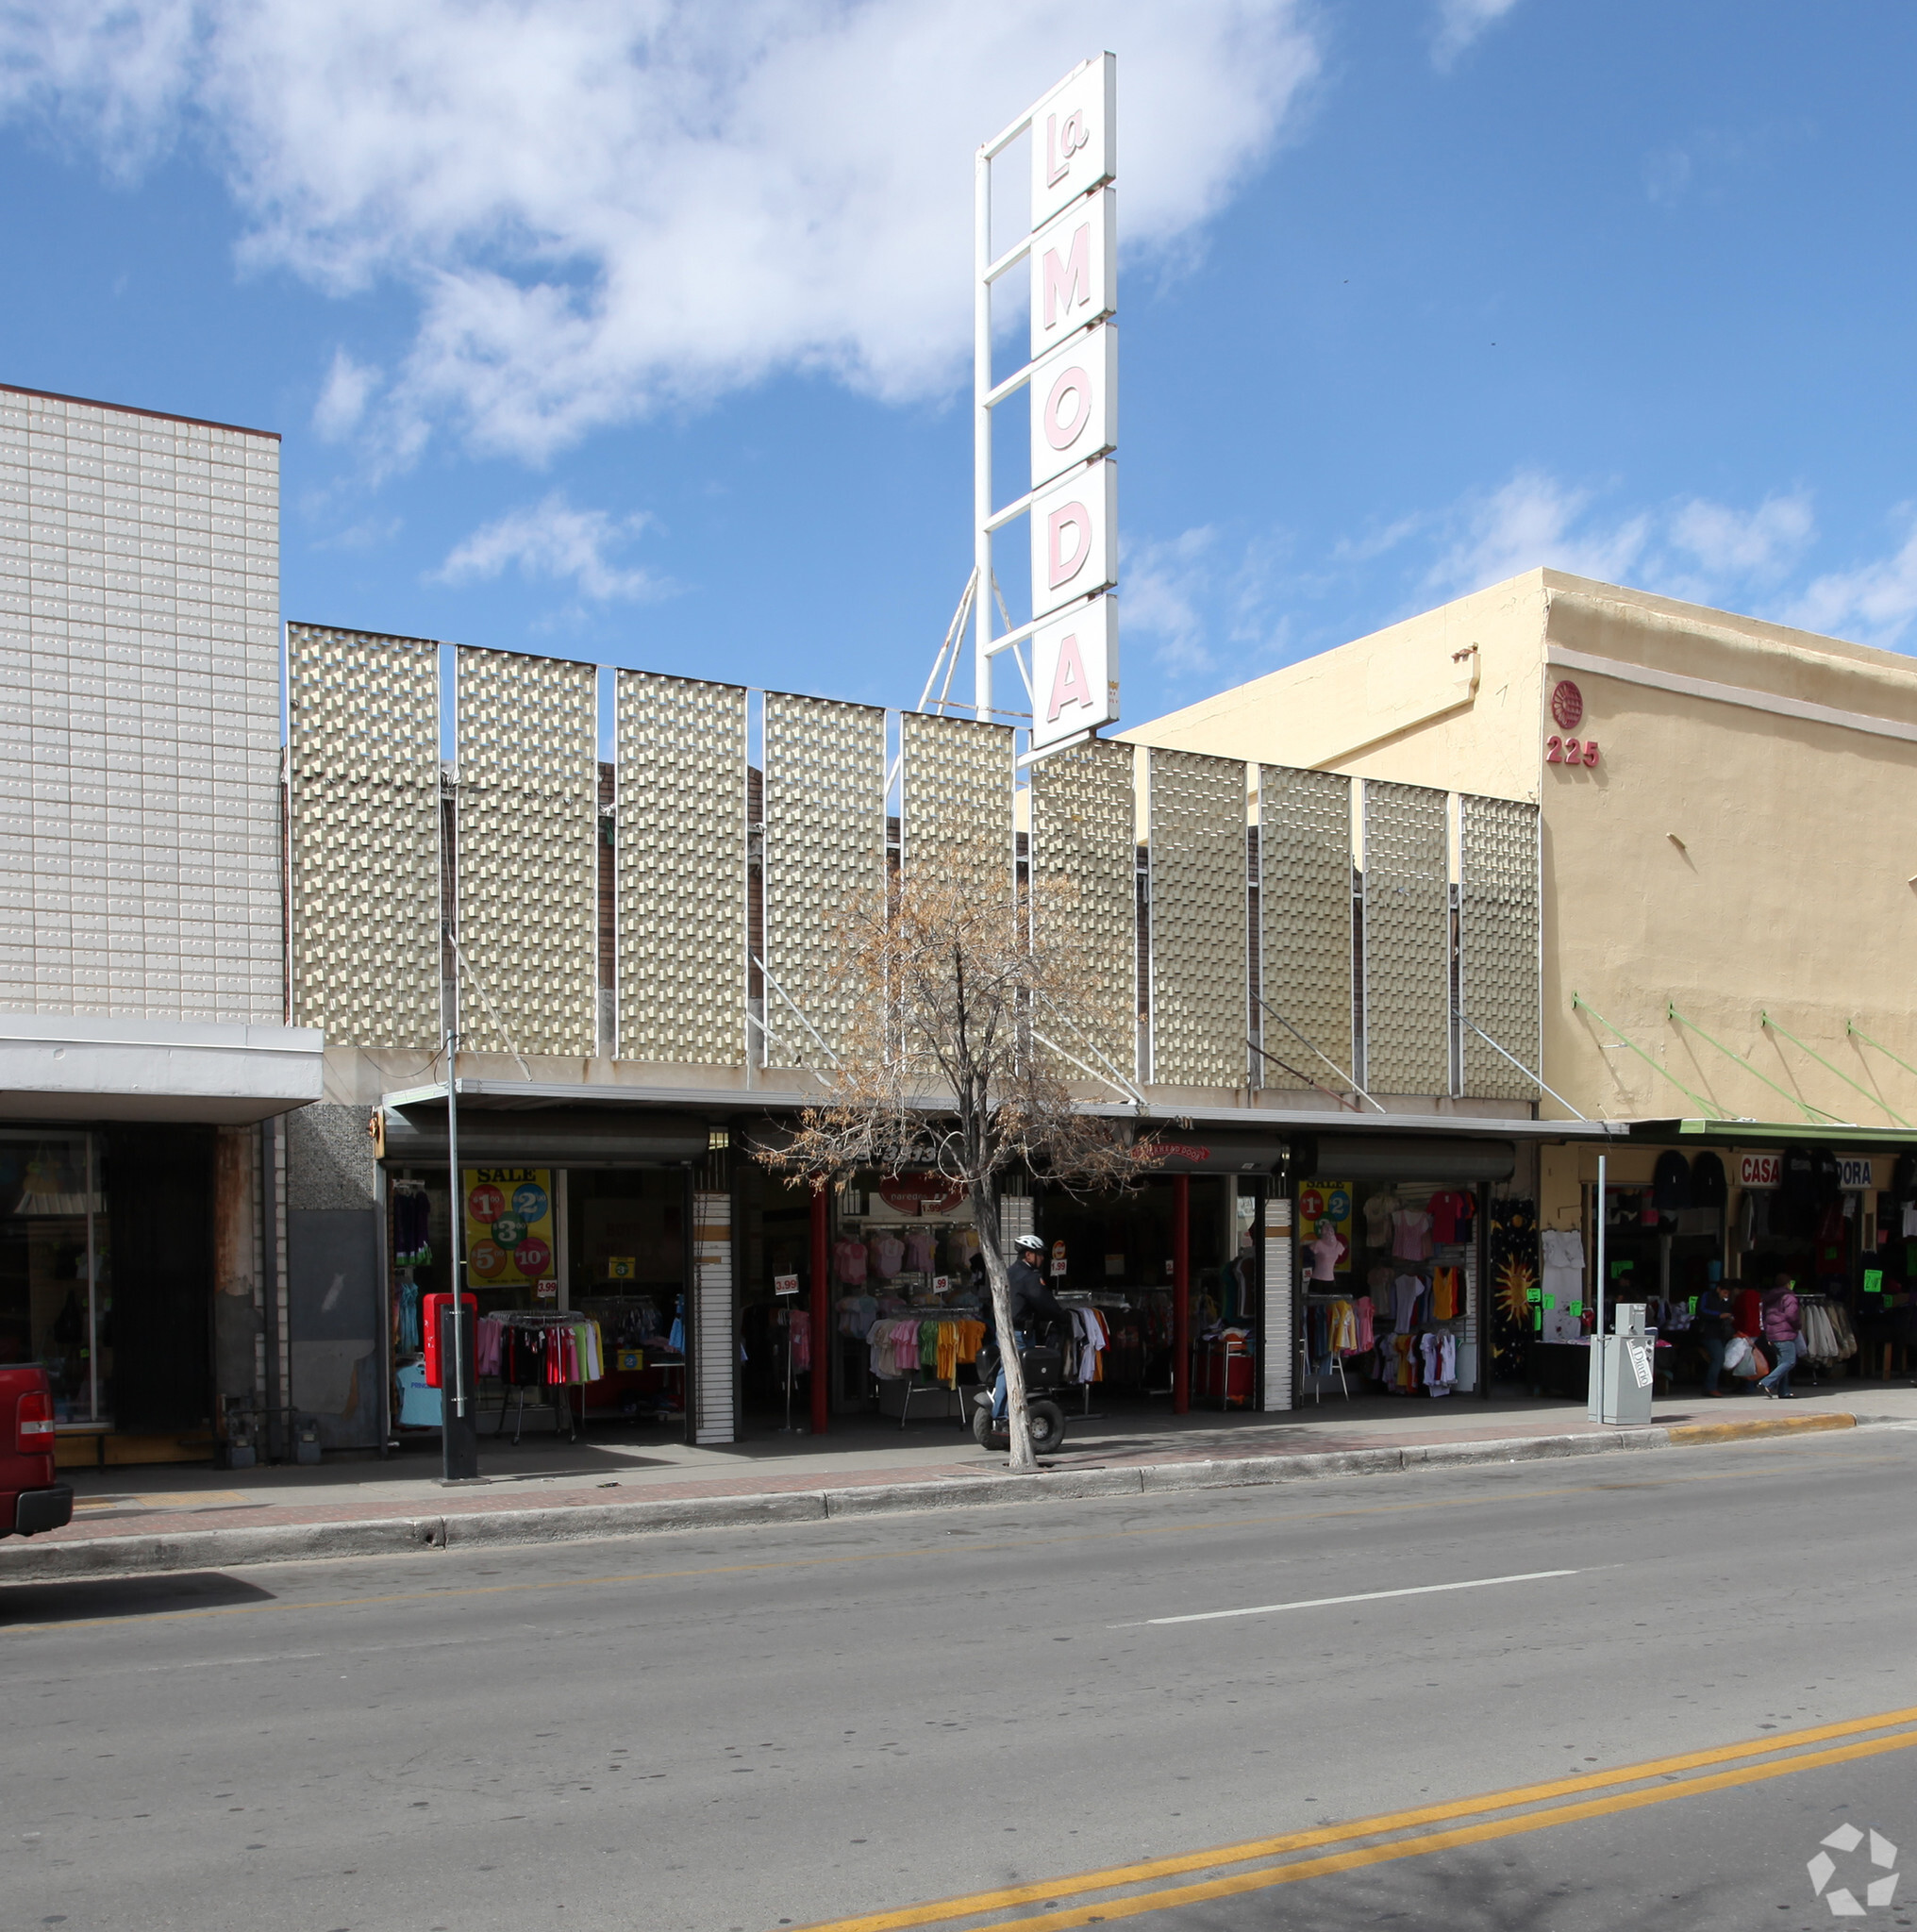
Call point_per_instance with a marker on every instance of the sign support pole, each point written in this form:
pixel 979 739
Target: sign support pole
pixel 981 433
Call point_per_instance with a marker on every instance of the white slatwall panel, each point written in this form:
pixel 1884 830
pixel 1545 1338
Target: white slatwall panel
pixel 713 1419
pixel 1280 1344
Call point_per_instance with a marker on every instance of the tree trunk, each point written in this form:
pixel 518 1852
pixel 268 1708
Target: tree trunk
pixel 1018 1421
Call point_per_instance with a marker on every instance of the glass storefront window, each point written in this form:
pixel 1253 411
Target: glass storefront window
pixel 56 1285
pixel 625 1232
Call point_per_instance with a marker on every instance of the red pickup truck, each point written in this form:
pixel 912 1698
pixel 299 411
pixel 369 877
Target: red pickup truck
pixel 31 1499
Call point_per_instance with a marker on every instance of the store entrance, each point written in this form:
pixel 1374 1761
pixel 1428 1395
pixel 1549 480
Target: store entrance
pixel 1389 1300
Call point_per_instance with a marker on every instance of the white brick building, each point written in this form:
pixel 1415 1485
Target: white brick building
pixel 143 980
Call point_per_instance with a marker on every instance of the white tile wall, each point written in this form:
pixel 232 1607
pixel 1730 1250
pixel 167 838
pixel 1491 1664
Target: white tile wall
pixel 140 870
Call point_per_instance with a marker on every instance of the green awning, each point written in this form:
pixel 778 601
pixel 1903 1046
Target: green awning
pixel 1767 1133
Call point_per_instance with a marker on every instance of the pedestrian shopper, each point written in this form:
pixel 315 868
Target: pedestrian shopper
pixel 1781 1331
pixel 1715 1324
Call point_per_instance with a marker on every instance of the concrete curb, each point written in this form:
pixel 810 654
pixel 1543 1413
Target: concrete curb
pixel 226 1549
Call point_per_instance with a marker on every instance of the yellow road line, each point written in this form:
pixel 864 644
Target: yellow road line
pixel 1114 1877
pixel 1446 1840
pixel 1263 1520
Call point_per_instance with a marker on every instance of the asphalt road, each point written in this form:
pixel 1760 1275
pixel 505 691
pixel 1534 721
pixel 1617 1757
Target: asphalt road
pixel 737 1731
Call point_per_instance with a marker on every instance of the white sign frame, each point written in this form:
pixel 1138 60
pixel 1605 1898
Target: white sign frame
pixel 1074 536
pixel 1074 673
pixel 1075 270
pixel 1075 137
pixel 1075 404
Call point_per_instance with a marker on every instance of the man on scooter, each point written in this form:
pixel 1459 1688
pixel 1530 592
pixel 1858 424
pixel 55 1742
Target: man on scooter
pixel 1031 1300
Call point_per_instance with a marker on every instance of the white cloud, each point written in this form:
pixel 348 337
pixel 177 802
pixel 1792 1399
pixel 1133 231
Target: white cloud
pixel 349 386
pixel 1459 22
pixel 551 538
pixel 1163 589
pixel 611 206
pixel 1755 547
pixel 1875 602
pixel 1535 519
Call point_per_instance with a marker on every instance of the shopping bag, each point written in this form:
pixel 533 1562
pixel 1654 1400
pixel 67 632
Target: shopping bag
pixel 1737 1353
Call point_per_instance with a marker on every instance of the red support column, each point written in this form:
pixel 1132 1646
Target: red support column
pixel 821 1308
pixel 1181 1293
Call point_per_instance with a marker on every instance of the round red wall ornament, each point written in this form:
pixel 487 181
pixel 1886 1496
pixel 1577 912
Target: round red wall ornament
pixel 1567 705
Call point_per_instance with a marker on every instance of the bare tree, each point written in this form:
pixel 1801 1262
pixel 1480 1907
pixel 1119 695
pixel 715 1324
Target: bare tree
pixel 961 1021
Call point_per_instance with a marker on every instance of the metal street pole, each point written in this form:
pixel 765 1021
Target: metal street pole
pixel 1597 1341
pixel 459 1440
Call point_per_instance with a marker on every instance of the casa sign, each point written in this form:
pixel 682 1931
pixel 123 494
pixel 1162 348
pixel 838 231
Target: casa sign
pixel 1071 383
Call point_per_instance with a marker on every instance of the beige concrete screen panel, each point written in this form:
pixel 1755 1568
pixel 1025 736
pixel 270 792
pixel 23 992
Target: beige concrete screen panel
pixel 1084 870
pixel 681 870
pixel 364 797
pixel 824 850
pixel 1407 939
pixel 1498 944
pixel 1305 941
pixel 1199 921
pixel 958 779
pixel 527 884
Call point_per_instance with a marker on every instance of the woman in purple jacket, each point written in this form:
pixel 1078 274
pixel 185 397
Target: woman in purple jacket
pixel 1781 1331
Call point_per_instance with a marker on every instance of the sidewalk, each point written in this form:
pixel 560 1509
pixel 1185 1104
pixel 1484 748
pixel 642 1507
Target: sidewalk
pixel 624 1482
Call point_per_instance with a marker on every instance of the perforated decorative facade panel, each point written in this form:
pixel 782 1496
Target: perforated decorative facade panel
pixel 1407 941
pixel 364 774
pixel 1084 856
pixel 1304 953
pixel 825 847
pixel 1200 935
pixel 1498 937
pixel 958 788
pixel 681 870
pixel 528 916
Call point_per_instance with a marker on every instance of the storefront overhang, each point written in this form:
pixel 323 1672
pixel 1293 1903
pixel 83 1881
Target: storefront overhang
pixel 518 1127
pixel 674 1122
pixel 1768 1133
pixel 1271 1123
pixel 80 1067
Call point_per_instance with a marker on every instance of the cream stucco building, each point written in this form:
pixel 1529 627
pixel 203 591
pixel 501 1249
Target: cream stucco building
pixel 1728 864
pixel 1728 860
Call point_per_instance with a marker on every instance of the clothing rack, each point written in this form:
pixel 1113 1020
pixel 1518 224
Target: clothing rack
pixel 536 1321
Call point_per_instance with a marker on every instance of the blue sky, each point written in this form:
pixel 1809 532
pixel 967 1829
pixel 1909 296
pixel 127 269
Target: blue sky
pixel 639 332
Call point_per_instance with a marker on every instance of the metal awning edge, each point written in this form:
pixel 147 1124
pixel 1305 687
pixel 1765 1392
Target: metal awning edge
pixel 1264 1120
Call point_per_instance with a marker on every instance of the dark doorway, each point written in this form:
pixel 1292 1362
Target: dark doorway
pixel 160 1201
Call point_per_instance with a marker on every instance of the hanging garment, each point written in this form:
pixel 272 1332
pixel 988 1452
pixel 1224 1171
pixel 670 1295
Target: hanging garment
pixel 888 1253
pixel 409 1316
pixel 848 1262
pixel 1379 1210
pixel 1670 1183
pixel 489 1342
pixel 1406 1290
pixel 1708 1186
pixel 1364 1320
pixel 799 1322
pixel 1450 1214
pixel 1447 1295
pixel 1412 1235
pixel 411 1221
pixel 857 1313
pixel 1562 1253
pixel 919 1250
